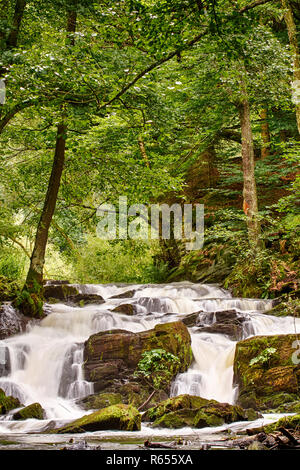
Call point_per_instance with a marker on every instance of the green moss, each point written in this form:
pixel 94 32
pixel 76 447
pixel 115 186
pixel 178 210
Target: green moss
pixel 203 420
pixel 266 384
pixel 288 422
pixel 175 404
pixel 175 419
pixel 7 403
pixel 121 417
pixel 102 400
pixel 33 411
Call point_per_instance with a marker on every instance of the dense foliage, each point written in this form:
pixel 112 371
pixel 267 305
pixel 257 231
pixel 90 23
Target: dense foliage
pixel 150 95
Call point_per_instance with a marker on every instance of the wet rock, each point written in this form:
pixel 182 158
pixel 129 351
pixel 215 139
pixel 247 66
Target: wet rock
pixel 101 400
pixel 188 410
pixel 125 295
pixel 272 378
pixel 85 299
pixel 120 417
pixel 7 403
pixel 33 411
pixel 69 294
pixel 11 321
pixel 191 319
pixel 126 309
pixel 59 292
pixel 228 322
pixel 111 357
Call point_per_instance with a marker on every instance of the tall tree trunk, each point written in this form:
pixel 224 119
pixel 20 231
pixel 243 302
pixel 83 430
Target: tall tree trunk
pixel 31 299
pixel 13 35
pixel 292 32
pixel 265 133
pixel 250 205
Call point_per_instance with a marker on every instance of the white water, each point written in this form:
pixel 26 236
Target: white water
pixel 45 364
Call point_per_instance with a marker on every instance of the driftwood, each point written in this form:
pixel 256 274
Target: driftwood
pixel 281 439
pixel 142 406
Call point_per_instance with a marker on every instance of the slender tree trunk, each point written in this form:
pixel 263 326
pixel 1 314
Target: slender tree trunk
pixel 31 299
pixel 250 205
pixel 143 151
pixel 265 133
pixel 292 32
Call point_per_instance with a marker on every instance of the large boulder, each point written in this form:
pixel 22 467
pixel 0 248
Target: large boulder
pixel 120 417
pixel 188 410
pixel 227 322
pixel 266 372
pixel 62 292
pixel 111 361
pixel 33 411
pixel 7 403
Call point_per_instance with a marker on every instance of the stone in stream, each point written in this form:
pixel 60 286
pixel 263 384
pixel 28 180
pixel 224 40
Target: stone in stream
pixel 33 411
pixel 120 417
pixel 126 309
pixel 125 295
pixel 111 361
pixel 69 294
pixel 7 403
pixel 194 411
pixel 266 376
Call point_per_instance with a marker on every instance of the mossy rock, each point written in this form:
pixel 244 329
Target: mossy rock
pixel 59 292
pixel 112 357
pixel 7 403
pixel 203 420
pixel 188 410
pixel 101 400
pixel 290 407
pixel 116 417
pixel 175 404
pixel 33 411
pixel 176 419
pixel 125 309
pixel 287 422
pixel 271 383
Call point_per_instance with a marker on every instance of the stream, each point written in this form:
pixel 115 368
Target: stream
pixel 44 364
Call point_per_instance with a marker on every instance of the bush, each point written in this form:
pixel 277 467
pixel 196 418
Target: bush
pixel 130 261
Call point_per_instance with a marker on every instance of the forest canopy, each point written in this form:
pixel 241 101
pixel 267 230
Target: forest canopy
pixel 182 101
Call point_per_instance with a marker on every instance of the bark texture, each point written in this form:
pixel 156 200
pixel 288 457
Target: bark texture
pixel 250 205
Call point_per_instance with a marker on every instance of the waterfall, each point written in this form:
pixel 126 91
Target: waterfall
pixel 45 363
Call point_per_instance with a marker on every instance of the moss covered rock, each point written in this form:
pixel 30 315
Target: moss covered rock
pixel 33 411
pixel 287 422
pixel 101 400
pixel 112 358
pixel 265 372
pixel 120 417
pixel 7 403
pixel 188 410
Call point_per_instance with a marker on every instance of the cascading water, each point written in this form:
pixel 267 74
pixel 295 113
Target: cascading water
pixel 44 365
